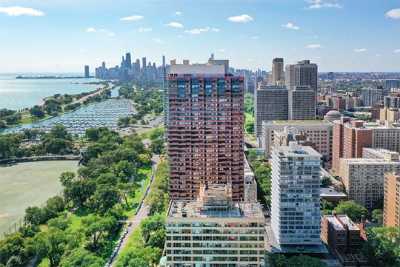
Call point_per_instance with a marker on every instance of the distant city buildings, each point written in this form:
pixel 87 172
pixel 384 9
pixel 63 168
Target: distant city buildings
pixel 278 74
pixel 351 136
pixel 87 71
pixel 371 96
pixel 391 210
pixel 295 212
pixel 392 85
pixel 129 70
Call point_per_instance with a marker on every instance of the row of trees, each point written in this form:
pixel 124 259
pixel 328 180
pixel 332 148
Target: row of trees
pixel 262 172
pixel 37 143
pixel 83 223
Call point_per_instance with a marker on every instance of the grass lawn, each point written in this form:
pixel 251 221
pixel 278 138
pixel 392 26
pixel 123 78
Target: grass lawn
pixel 28 184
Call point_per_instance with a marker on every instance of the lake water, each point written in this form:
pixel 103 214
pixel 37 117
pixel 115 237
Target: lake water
pixel 24 93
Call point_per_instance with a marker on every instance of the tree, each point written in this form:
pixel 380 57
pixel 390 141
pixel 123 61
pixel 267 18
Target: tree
pixel 326 181
pixel 157 239
pixel 13 119
pixel 249 126
pixel 34 216
pixel 92 134
pixel 157 146
pixel 382 246
pixel 51 244
pixel 377 216
pixel 279 260
pixel 355 211
pixel 80 257
pixel 140 257
pixel 151 225
pixel 97 229
pixel 37 112
pixel 54 205
pixel 3 124
pixel 104 198
pixel 123 122
pixel 13 250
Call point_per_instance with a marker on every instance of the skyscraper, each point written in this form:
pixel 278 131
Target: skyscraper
pixel 271 103
pixel 295 205
pixel 301 103
pixel 205 129
pixel 304 73
pixel 144 64
pixel 391 85
pixel 128 61
pixel 277 72
pixel 87 71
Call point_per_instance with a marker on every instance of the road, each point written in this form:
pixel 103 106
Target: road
pixel 134 222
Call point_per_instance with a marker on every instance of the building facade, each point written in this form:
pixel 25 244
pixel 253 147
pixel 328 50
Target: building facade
pixel 215 231
pixel 270 103
pixel 391 206
pixel 319 133
pixel 304 73
pixel 205 129
pixel 363 178
pixel 371 96
pixel 302 104
pixel 295 212
pixel 278 75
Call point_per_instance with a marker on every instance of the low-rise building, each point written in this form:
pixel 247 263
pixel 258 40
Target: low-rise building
pixel 215 231
pixel 343 238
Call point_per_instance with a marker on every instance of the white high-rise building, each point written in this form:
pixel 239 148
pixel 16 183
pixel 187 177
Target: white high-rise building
pixel 295 213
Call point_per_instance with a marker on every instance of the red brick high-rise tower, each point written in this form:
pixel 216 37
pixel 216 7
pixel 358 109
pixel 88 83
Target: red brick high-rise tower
pixel 204 128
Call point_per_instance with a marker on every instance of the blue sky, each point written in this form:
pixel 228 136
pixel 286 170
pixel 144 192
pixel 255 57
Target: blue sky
pixel 63 35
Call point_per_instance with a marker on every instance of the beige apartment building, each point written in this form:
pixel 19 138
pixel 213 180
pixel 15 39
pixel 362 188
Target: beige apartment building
pixel 363 178
pixel 317 132
pixel 391 209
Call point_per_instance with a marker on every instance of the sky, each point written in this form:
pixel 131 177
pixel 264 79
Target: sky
pixel 64 35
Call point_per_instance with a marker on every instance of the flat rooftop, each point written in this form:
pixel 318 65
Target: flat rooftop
pixel 295 150
pixel 196 209
pixel 197 69
pixel 339 222
pixel 330 192
pixel 299 122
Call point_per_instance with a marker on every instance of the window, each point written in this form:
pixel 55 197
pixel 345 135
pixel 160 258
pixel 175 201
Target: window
pixel 221 87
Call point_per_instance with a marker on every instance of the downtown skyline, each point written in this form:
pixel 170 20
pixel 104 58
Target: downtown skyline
pixel 65 35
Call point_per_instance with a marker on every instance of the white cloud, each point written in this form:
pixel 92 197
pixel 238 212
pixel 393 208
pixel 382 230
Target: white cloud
pixel 244 18
pixel 132 18
pixel 178 13
pixel 158 40
pixel 393 14
pixel 143 29
pixel 221 50
pixel 313 46
pixel 175 24
pixel 196 31
pixel 397 51
pixel 90 29
pixel 360 50
pixel 291 26
pixel 15 11
pixel 318 4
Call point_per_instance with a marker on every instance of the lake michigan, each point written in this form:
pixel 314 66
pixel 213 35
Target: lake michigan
pixel 24 93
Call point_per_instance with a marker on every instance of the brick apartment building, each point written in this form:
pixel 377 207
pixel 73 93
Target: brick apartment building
pixel 204 129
